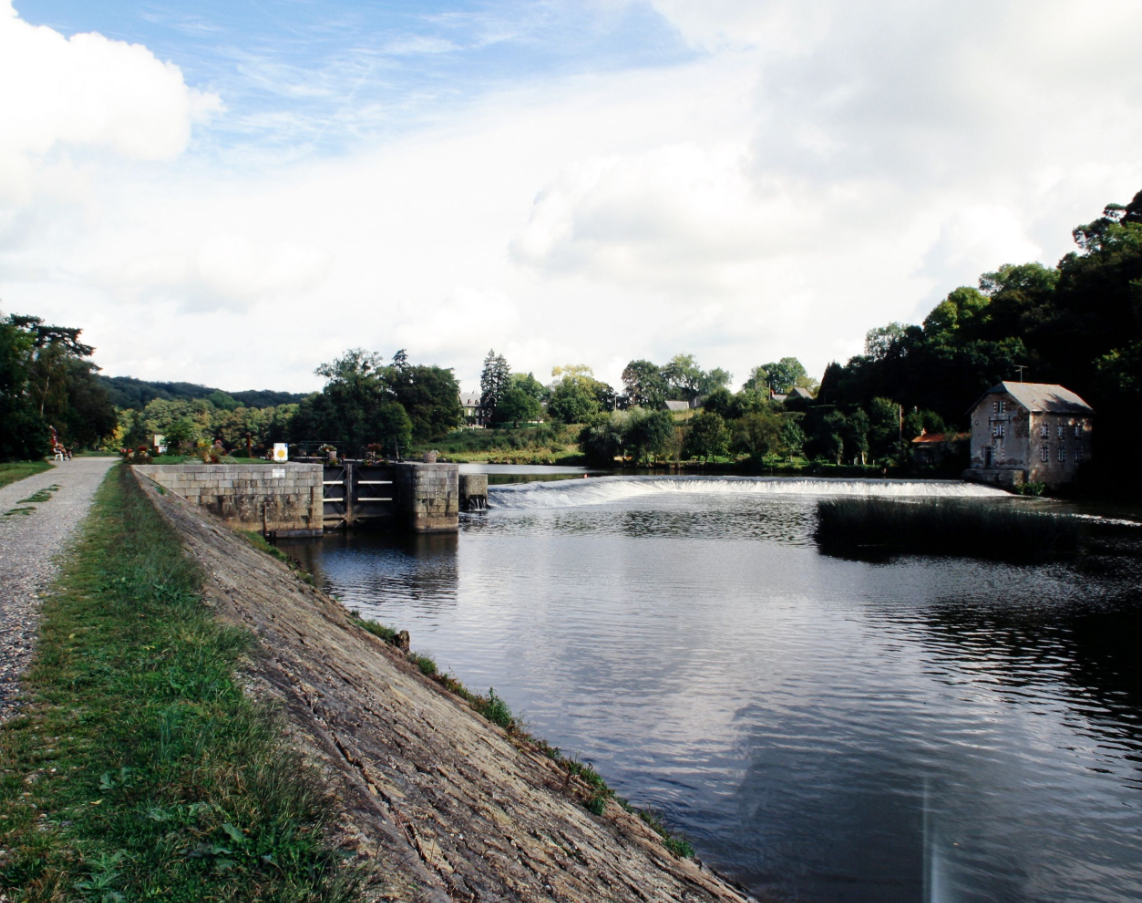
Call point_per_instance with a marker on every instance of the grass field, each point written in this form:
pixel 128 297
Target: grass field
pixel 18 470
pixel 140 769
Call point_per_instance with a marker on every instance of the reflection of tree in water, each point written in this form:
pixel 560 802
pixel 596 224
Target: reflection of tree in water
pixel 372 566
pixel 1091 645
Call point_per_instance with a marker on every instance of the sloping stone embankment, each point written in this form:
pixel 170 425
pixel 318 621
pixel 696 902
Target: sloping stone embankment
pixel 446 803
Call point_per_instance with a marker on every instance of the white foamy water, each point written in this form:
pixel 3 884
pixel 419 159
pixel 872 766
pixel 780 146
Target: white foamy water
pixel 609 490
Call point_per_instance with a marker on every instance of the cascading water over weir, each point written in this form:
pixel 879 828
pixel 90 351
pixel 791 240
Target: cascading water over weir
pixel 612 490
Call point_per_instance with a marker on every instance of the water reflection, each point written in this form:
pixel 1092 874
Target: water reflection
pixel 824 729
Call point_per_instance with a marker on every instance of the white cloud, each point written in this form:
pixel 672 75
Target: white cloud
pixel 85 93
pixel 820 169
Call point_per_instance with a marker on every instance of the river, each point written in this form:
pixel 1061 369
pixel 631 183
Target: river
pixel 823 729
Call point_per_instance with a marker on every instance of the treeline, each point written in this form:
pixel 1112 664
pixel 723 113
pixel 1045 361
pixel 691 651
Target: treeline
pixel 575 396
pixel 1078 324
pixel 136 394
pixel 47 381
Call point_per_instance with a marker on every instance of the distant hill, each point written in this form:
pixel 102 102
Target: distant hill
pixel 128 392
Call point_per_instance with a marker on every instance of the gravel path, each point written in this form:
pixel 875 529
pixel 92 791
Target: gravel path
pixel 29 543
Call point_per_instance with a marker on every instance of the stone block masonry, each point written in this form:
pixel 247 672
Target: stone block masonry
pixel 428 497
pixel 283 499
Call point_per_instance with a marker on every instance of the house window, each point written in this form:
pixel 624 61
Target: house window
pixel 1078 430
pixel 997 430
pixel 1045 431
pixel 1044 452
pixel 1062 453
pixel 1002 405
pixel 1060 431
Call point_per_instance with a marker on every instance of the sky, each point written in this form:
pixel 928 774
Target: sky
pixel 231 193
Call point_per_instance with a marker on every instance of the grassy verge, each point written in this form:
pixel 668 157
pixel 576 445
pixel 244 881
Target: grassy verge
pixel 140 770
pixel 947 527
pixel 18 470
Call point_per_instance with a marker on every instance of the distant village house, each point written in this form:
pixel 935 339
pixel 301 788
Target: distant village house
pixel 934 448
pixel 1028 432
pixel 470 401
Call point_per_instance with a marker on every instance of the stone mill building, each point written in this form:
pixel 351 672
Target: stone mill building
pixel 1028 432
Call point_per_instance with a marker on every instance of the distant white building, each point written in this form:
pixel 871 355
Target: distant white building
pixel 470 401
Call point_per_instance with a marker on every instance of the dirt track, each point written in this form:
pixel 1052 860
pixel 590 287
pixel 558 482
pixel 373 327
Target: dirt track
pixel 446 804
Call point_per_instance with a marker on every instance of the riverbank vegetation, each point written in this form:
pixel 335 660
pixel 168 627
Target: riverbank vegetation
pixel 1007 531
pixel 140 769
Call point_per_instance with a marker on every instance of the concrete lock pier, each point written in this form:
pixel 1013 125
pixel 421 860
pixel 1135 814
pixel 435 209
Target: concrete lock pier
pixel 307 499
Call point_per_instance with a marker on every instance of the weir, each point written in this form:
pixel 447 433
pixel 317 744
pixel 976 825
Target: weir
pixel 610 490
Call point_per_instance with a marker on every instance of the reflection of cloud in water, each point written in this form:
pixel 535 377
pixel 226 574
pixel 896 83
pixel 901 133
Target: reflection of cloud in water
pixel 788 709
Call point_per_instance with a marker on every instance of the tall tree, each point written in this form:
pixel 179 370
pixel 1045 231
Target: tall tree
pixel 493 383
pixel 644 385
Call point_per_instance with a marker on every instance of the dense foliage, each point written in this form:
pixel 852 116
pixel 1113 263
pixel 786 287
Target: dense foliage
pixel 46 380
pixel 368 402
pixel 1078 324
pixel 128 392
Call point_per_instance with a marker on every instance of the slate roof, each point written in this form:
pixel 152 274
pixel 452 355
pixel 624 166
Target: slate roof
pixel 801 393
pixel 470 399
pixel 1041 398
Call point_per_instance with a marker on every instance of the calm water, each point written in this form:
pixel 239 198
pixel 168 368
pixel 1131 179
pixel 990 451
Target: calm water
pixel 920 729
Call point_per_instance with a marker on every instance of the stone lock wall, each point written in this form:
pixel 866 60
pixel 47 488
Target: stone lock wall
pixel 428 496
pixel 285 499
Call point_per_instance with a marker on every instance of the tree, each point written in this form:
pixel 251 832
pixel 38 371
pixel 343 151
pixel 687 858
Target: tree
pixel 601 440
pixel 648 434
pixel 571 401
pixel 720 402
pixel 757 434
pixel 792 437
pixel 493 383
pixel 707 436
pixel 45 380
pixel 526 382
pixel 683 377
pixel 430 397
pixel 644 385
pixel 356 408
pixel 758 381
pixel 784 374
pixel 712 380
pixel 517 406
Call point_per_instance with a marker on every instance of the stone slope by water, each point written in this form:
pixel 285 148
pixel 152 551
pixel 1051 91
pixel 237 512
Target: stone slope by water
pixel 445 803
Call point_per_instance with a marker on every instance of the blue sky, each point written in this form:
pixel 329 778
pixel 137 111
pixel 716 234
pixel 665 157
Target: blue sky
pixel 234 194
pixel 321 77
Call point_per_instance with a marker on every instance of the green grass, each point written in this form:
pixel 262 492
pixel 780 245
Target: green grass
pixel 140 769
pixel 1002 530
pixel 18 470
pixel 40 495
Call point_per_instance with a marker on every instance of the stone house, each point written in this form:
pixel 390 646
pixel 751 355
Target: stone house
pixel 1028 432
